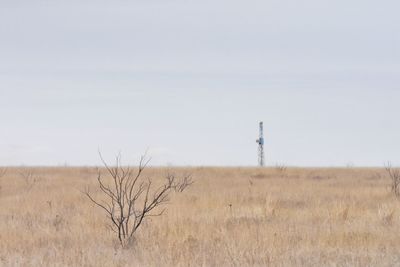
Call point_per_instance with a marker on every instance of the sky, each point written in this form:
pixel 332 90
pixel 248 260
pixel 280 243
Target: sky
pixel 188 81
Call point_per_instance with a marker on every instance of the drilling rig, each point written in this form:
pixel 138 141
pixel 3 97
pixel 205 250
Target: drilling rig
pixel 260 142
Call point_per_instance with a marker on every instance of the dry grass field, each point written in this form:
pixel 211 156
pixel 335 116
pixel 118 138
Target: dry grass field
pixel 229 217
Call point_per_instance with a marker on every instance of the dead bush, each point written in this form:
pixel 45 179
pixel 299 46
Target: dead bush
pixel 128 198
pixel 394 175
pixel 30 178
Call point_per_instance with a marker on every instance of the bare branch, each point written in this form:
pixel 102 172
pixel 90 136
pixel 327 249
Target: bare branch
pixel 130 199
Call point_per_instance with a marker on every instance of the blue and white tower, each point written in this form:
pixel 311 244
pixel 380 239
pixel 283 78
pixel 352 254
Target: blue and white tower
pixel 260 142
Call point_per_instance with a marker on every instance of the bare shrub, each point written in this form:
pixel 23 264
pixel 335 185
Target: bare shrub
pixel 394 174
pixel 30 178
pixel 130 199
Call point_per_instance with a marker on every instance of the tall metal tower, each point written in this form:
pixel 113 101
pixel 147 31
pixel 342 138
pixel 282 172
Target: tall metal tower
pixel 260 142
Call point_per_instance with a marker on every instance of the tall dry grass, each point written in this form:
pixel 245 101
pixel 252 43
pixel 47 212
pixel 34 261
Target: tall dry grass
pixel 229 217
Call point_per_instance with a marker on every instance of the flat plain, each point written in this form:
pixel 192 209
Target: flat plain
pixel 228 217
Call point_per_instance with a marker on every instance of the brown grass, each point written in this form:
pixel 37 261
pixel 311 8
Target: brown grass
pixel 229 217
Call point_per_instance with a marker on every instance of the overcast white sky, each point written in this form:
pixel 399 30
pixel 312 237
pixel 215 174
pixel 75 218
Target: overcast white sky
pixel 189 80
